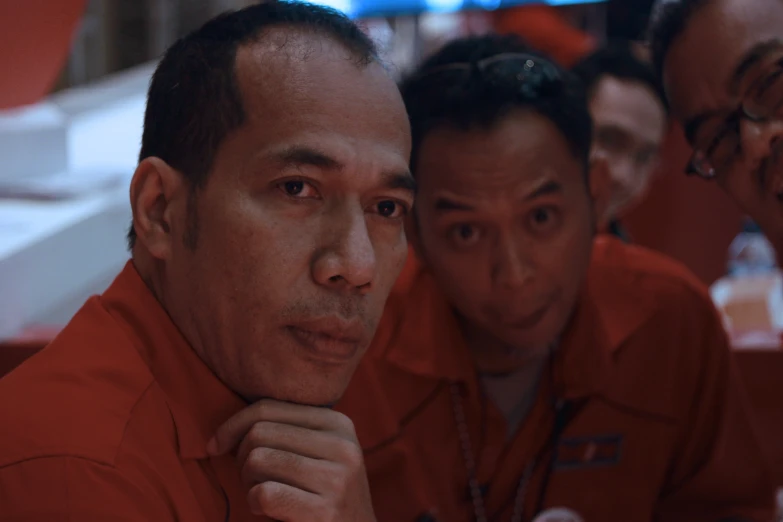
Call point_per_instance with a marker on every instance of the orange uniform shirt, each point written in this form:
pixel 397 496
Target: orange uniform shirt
pixel 110 422
pixel 659 430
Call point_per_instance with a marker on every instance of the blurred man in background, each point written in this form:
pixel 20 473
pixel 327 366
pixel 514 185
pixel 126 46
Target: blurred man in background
pixel 721 62
pixel 267 232
pixel 524 368
pixel 630 122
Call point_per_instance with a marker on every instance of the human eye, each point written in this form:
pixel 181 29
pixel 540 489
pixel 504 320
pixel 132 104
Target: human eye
pixel 391 209
pixel 465 234
pixel 298 189
pixel 542 220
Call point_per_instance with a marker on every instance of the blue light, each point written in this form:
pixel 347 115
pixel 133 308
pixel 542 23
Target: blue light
pixel 373 8
pixel 344 6
pixel 489 5
pixel 443 6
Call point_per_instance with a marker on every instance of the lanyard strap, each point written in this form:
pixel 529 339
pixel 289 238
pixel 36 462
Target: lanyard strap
pixel 565 411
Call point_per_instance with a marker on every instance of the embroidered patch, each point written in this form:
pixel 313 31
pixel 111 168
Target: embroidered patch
pixel 583 452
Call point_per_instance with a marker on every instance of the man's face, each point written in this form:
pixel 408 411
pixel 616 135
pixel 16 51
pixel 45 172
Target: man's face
pixel 505 223
pixel 300 223
pixel 630 123
pixel 726 55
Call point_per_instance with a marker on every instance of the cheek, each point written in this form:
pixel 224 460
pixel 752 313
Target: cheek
pixel 255 257
pixel 739 185
pixel 391 252
pixel 464 277
pixel 570 257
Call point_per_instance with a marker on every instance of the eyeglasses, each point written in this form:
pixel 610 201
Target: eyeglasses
pixel 717 148
pixel 532 74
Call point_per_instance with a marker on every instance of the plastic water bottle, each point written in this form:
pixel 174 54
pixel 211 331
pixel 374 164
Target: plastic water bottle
pixel 751 253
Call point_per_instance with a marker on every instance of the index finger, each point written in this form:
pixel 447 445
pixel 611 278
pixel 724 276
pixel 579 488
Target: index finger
pixel 231 432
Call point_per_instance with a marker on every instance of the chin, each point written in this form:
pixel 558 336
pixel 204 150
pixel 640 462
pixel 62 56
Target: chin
pixel 251 400
pixel 308 393
pixel 533 346
pixel 294 379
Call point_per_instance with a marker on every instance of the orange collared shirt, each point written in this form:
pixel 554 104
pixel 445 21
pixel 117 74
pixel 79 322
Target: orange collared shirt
pixel 111 422
pixel 658 429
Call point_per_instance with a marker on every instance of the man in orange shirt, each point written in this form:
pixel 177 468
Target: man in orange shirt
pixel 525 369
pixel 267 232
pixel 721 62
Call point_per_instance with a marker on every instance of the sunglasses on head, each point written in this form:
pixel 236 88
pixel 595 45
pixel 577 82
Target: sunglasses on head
pixel 530 73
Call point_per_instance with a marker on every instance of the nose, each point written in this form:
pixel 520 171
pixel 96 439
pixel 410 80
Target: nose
pixel 511 270
pixel 623 172
pixel 346 259
pixel 757 139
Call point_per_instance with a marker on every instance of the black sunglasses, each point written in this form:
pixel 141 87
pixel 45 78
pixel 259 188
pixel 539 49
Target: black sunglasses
pixel 532 74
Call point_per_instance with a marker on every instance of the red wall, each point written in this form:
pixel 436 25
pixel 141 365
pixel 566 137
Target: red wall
pixel 35 39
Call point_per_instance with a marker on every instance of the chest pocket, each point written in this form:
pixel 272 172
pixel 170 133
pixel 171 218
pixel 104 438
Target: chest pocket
pixel 612 464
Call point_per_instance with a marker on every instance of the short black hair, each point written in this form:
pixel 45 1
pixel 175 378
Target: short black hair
pixel 451 88
pixel 667 22
pixel 194 100
pixel 618 60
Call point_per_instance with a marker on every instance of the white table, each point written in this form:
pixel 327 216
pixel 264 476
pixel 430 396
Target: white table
pixel 53 255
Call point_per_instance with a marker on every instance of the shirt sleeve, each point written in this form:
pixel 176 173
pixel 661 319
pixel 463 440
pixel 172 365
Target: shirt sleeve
pixel 719 474
pixel 70 489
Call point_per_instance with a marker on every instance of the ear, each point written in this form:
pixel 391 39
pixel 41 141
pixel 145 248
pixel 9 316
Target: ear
pixel 600 190
pixel 158 195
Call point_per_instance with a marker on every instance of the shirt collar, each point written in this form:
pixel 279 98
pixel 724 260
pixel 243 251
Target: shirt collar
pixel 198 400
pixel 420 333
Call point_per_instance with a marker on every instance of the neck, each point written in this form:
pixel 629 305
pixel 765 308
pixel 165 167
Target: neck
pixel 152 273
pixel 496 357
pixel 145 266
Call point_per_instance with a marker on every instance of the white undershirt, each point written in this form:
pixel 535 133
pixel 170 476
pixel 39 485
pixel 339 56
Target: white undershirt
pixel 513 394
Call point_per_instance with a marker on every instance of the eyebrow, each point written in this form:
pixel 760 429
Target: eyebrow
pixel 443 204
pixel 299 156
pixel 752 57
pixel 448 205
pixel 546 189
